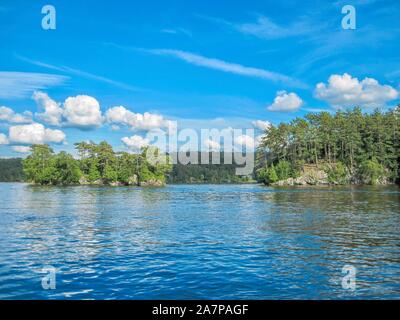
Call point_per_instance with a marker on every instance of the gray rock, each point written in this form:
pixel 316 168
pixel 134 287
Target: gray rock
pixel 152 183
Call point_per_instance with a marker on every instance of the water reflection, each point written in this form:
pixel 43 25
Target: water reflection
pixel 204 241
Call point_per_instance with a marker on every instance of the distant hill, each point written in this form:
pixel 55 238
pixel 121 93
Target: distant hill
pixel 11 170
pixel 207 173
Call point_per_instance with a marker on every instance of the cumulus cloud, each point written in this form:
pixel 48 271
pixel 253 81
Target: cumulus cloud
pixel 245 141
pixel 346 91
pixel 248 142
pixel 21 149
pixel 212 145
pixel 147 121
pixel 135 142
pixel 52 110
pixel 258 140
pixel 286 102
pixel 260 124
pixel 8 115
pixel 3 139
pixel 82 111
pixel 35 133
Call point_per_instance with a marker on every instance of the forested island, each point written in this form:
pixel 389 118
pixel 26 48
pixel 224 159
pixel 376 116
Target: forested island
pixel 349 147
pixel 98 164
pixel 11 170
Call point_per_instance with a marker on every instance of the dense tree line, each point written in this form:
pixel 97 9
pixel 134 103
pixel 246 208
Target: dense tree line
pixel 11 170
pixel 347 144
pixel 207 173
pixel 97 164
pixel 86 166
pixel 350 146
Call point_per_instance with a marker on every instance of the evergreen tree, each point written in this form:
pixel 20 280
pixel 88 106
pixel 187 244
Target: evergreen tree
pixel 360 142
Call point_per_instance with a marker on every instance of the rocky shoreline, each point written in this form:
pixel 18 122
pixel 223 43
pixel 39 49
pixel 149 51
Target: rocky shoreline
pixel 132 181
pixel 319 177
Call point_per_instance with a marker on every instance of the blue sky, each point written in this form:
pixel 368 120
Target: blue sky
pixel 220 64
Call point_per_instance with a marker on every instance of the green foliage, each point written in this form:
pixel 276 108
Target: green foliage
pixel 268 175
pixel 45 167
pixel 11 170
pixel 145 174
pixel 371 171
pixel 127 166
pixel 93 174
pixel 349 137
pixel 207 173
pixel 156 165
pixel 337 173
pixel 283 170
pixel 39 166
pixel 66 169
pixel 97 162
pixel 271 175
pixel 110 173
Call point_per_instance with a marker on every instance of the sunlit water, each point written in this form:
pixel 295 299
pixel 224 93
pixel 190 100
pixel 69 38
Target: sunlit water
pixel 199 242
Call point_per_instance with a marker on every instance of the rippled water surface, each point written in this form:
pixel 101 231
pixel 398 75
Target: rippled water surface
pixel 199 241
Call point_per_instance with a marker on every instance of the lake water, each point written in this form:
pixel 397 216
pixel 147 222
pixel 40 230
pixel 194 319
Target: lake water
pixel 199 242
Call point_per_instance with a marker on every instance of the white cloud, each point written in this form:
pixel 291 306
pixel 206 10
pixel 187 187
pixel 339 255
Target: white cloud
pixel 8 115
pixel 258 140
pixel 260 124
pixel 21 149
pixel 317 110
pixel 286 102
pixel 245 141
pixel 248 142
pixel 266 29
pixel 224 66
pixel 80 73
pixel 52 110
pixel 14 85
pixel 212 145
pixel 177 31
pixel 82 111
pixel 137 121
pixel 120 115
pixel 35 133
pixel 346 91
pixel 3 139
pixel 135 142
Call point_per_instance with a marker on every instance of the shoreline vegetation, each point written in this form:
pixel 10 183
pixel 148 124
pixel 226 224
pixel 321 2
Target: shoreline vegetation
pixel 349 147
pixel 98 164
pixel 345 148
